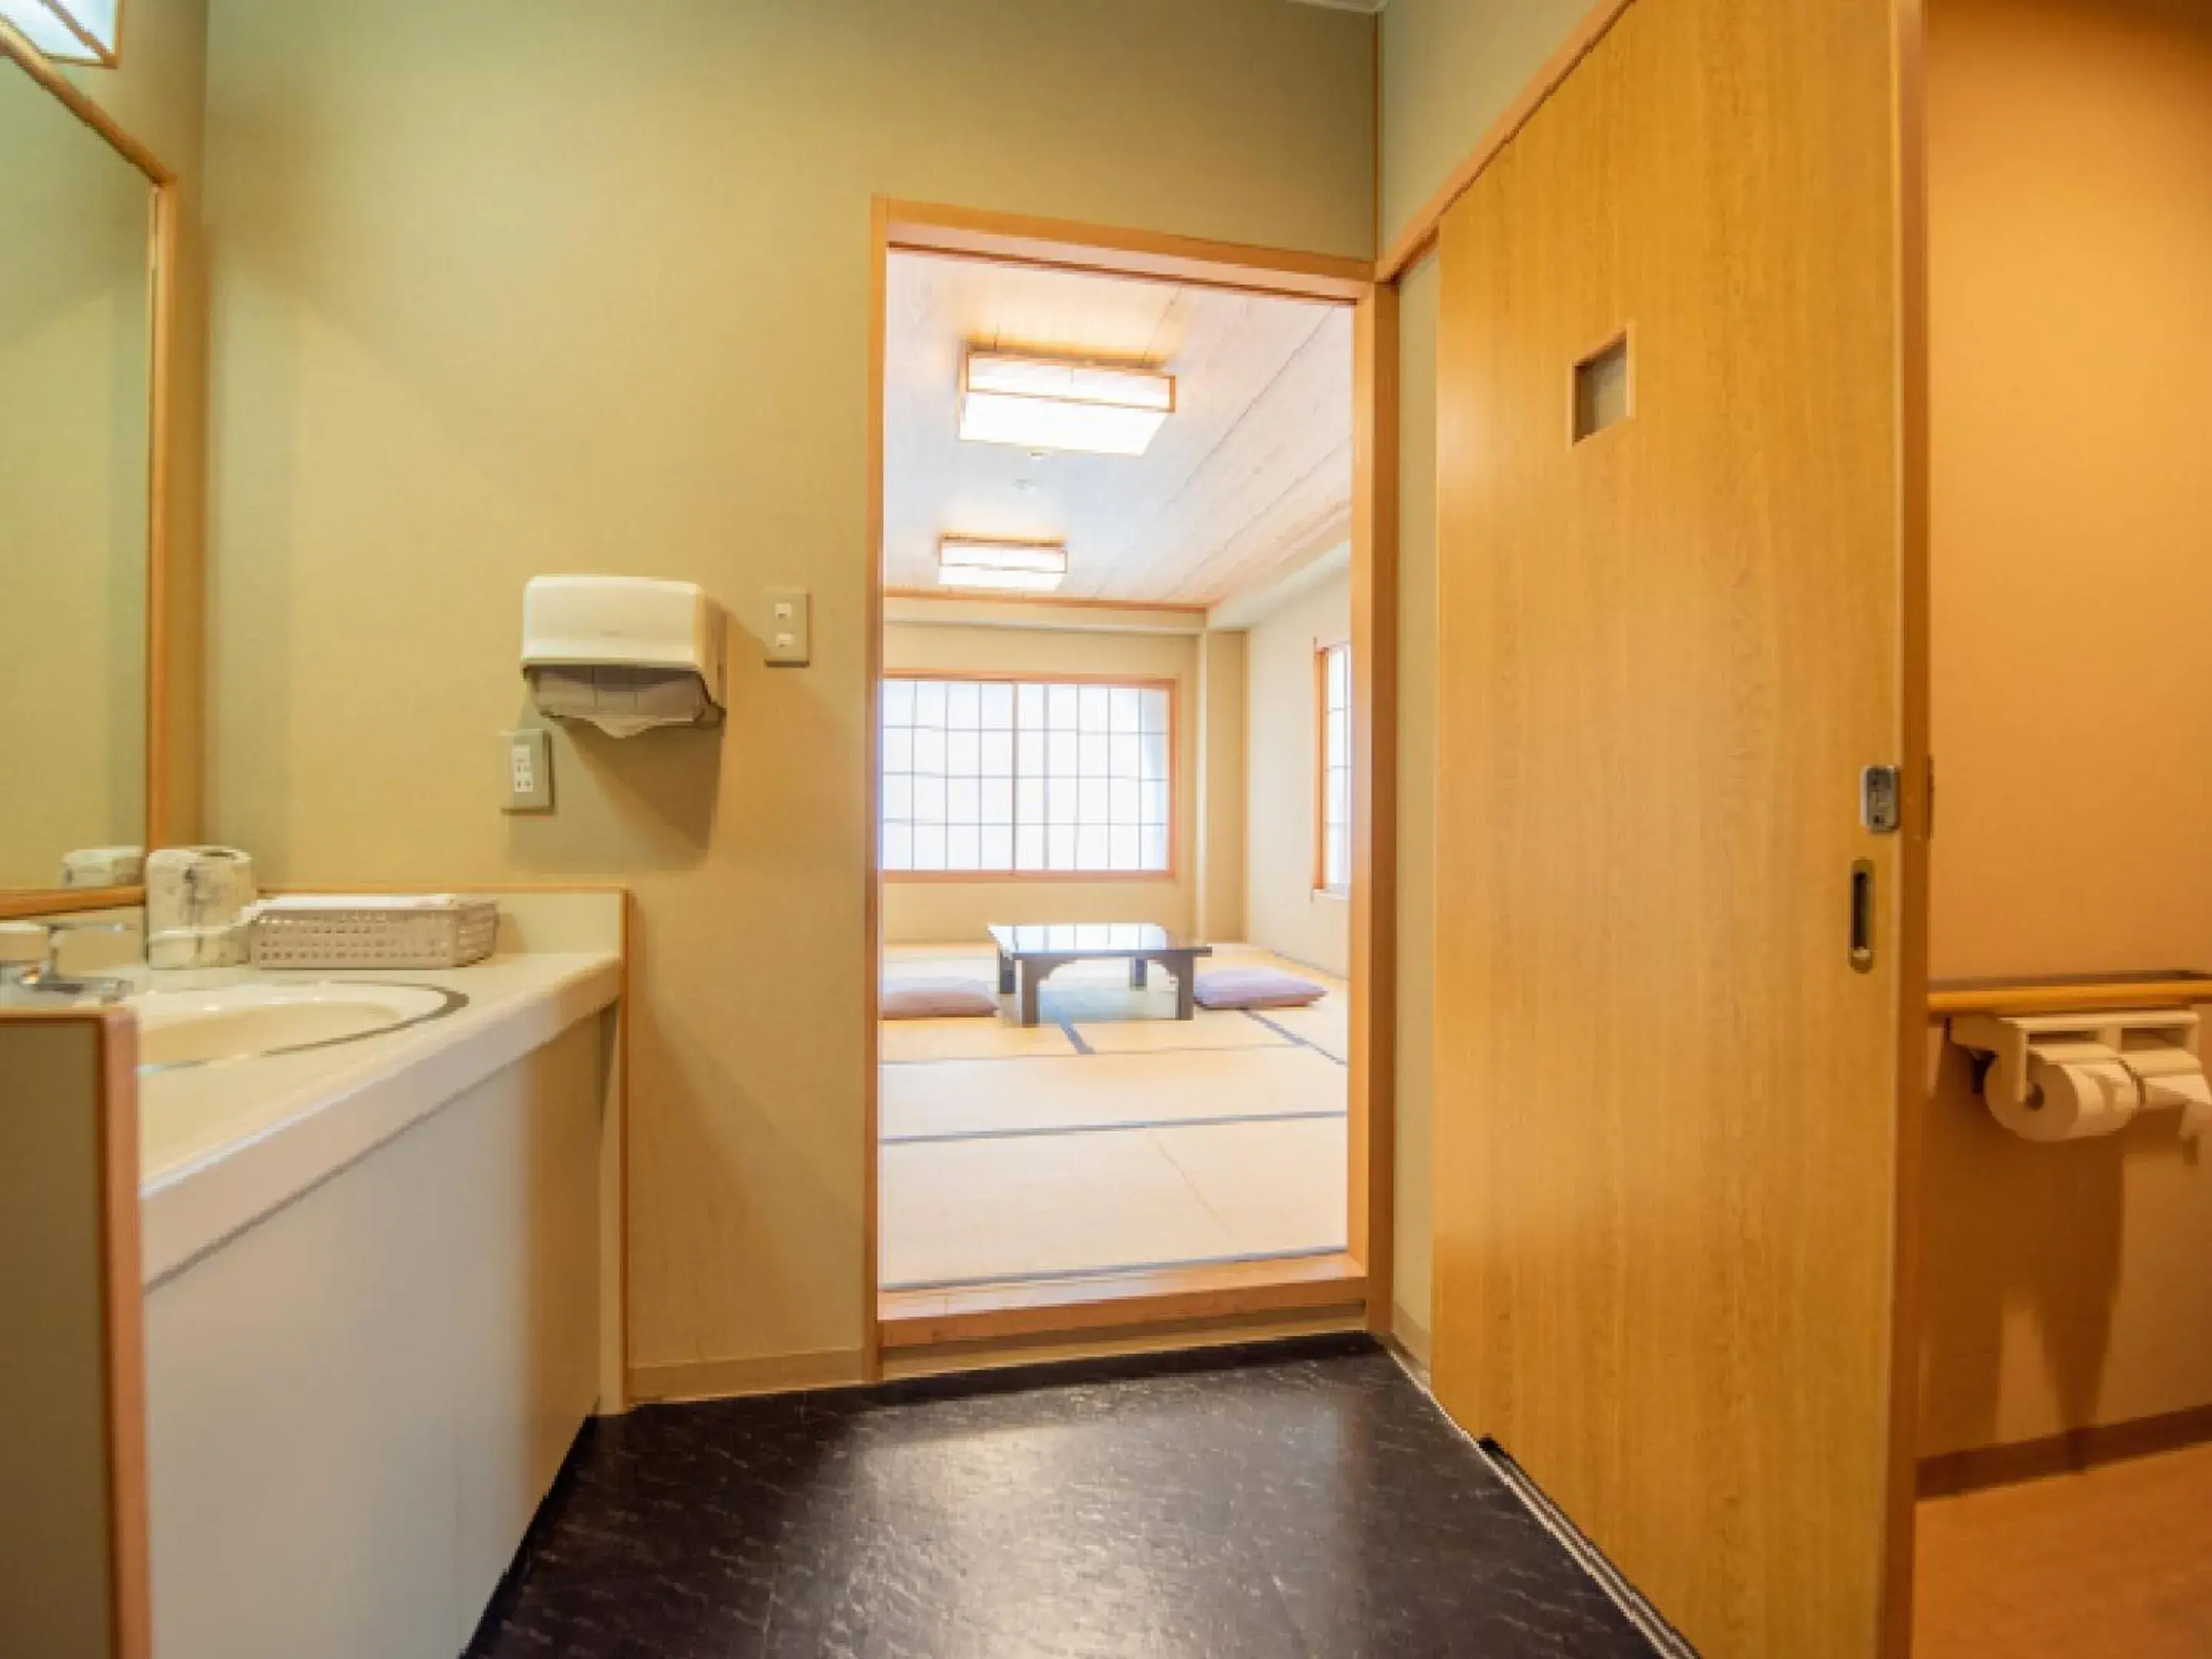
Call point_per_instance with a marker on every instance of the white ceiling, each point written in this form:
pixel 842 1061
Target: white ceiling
pixel 1250 477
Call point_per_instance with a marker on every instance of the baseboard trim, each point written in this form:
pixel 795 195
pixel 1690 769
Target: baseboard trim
pixel 723 1379
pixel 1132 1343
pixel 1977 1468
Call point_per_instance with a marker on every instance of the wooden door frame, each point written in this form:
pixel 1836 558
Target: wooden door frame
pixel 1104 250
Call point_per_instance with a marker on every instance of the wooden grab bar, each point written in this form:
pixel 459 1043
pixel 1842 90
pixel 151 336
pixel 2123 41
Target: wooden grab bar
pixel 2059 994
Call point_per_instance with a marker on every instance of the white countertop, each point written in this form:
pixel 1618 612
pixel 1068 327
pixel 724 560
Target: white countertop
pixel 221 1146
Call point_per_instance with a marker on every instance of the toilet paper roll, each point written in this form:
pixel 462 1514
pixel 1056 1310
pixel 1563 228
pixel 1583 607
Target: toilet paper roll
pixel 197 902
pixel 2070 1101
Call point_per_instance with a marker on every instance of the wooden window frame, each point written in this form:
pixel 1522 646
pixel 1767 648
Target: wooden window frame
pixel 1323 650
pixel 1167 684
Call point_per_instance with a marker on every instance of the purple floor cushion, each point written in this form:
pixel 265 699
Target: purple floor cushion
pixel 936 999
pixel 1255 987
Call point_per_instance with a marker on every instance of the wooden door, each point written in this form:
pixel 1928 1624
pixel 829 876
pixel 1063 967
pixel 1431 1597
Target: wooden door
pixel 1668 1138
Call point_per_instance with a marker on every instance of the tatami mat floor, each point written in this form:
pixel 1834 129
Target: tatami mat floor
pixel 1111 1136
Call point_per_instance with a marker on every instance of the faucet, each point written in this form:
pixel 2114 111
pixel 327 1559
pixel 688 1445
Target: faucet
pixel 28 950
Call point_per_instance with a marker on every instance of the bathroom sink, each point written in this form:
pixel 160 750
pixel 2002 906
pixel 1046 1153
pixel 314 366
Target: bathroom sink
pixel 240 1022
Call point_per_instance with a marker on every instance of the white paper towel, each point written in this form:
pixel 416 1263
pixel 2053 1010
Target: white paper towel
pixel 2069 1100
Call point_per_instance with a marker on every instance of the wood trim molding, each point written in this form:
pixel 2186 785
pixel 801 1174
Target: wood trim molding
pixel 726 1379
pixel 1111 250
pixel 1063 601
pixel 871 909
pixel 128 1524
pixel 1949 1473
pixel 913 1319
pixel 161 254
pixel 1417 236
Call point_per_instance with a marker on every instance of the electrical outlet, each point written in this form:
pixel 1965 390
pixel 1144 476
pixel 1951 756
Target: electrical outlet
pixel 529 770
pixel 788 628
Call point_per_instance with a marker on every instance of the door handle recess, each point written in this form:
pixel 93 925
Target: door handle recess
pixel 1862 916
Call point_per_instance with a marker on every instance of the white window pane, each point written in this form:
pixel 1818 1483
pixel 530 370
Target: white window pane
pixel 898 846
pixel 898 702
pixel 1062 707
pixel 929 702
pixel 1126 700
pixel 929 801
pixel 1029 800
pixel 962 846
pixel 1156 803
pixel 1092 804
pixel 1154 759
pixel 1060 847
pixel 998 847
pixel 1125 760
pixel 1061 800
pixel 1029 847
pixel 1339 872
pixel 1028 753
pixel 1123 847
pixel 1064 756
pixel 963 705
pixel 1155 839
pixel 1339 676
pixel 1155 710
pixel 898 749
pixel 1030 705
pixel 998 753
pixel 1097 705
pixel 928 750
pixel 963 800
pixel 963 754
pixel 999 706
pixel 898 795
pixel 1125 800
pixel 1338 738
pixel 1090 847
pixel 998 801
pixel 928 846
pixel 1096 756
pixel 1339 797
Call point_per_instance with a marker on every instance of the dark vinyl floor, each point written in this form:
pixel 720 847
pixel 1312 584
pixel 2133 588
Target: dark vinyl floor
pixel 1273 1502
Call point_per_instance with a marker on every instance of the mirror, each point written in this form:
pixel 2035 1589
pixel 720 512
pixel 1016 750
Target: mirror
pixel 77 352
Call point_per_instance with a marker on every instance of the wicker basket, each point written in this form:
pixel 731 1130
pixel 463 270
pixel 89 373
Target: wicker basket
pixel 443 931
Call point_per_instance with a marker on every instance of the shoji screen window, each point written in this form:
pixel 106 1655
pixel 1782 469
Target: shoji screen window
pixel 1027 777
pixel 1333 704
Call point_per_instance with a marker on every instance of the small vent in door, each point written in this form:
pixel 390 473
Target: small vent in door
pixel 1603 389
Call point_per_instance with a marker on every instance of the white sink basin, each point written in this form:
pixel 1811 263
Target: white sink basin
pixel 239 1022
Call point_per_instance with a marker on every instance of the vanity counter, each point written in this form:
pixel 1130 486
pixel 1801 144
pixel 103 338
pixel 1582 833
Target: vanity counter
pixel 223 1144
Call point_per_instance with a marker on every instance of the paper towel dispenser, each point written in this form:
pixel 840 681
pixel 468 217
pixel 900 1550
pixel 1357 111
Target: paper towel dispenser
pixel 624 653
pixel 2067 1076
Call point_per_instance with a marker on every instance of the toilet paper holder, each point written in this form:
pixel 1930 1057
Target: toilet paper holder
pixel 2156 1047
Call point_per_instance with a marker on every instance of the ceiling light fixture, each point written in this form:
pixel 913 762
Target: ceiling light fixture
pixel 1013 566
pixel 69 31
pixel 1039 402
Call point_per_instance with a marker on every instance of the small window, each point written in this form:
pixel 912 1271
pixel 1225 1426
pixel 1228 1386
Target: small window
pixel 1027 777
pixel 1333 872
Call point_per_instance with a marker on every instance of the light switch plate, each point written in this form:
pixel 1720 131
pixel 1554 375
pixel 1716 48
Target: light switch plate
pixel 787 630
pixel 529 770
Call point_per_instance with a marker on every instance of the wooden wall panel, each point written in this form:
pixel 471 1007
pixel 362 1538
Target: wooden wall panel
pixel 1666 1125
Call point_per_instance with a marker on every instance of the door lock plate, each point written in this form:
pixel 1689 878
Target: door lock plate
pixel 1880 800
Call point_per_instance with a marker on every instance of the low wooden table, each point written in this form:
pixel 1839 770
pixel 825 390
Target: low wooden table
pixel 1039 951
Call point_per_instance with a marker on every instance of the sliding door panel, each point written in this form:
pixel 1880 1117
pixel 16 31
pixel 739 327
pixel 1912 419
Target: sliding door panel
pixel 1672 633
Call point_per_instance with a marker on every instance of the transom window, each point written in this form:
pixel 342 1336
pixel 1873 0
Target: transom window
pixel 1023 776
pixel 1333 849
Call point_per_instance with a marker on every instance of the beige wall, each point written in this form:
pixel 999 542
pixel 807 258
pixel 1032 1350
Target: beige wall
pixel 2070 263
pixel 1282 911
pixel 512 288
pixel 944 912
pixel 1450 68
pixel 76 383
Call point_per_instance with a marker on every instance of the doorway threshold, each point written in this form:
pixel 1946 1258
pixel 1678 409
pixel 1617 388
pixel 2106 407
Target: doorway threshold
pixel 1124 1306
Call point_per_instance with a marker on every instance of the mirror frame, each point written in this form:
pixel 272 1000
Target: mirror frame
pixel 160 241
